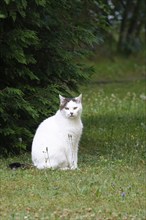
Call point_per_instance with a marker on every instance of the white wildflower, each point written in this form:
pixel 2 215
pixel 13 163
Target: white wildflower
pixel 143 97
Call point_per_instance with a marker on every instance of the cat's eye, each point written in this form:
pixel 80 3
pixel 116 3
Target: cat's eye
pixel 75 108
pixel 66 108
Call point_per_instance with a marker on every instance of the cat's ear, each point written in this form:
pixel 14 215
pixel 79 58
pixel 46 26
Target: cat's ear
pixel 62 99
pixel 79 98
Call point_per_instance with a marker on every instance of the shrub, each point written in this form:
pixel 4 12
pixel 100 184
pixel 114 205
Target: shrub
pixel 40 43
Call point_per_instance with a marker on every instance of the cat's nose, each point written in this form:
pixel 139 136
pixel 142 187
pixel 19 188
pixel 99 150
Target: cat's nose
pixel 71 113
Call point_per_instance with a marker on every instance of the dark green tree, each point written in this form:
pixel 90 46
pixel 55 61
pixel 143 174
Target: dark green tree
pixel 41 44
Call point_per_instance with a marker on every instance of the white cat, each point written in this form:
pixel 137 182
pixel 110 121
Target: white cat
pixel 55 144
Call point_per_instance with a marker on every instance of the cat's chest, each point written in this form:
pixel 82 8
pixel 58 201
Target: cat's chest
pixel 71 129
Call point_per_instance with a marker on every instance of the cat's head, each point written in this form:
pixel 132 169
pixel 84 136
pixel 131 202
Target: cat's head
pixel 71 107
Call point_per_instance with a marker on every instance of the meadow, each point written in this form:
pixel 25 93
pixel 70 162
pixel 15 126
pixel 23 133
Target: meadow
pixel 110 183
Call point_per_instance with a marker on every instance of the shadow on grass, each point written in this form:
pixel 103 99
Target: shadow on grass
pixel 115 137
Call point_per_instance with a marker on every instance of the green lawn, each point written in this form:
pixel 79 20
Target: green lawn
pixel 111 181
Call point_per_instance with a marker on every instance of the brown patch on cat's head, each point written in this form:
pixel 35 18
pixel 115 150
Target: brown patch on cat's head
pixel 65 101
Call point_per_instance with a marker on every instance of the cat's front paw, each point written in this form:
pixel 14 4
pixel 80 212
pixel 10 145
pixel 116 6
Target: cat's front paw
pixel 64 168
pixel 74 167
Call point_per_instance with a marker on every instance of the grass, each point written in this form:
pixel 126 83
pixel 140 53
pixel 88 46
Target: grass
pixel 110 183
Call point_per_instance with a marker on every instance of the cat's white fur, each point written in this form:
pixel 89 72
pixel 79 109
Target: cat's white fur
pixel 55 144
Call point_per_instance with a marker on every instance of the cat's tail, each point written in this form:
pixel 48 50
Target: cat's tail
pixel 16 165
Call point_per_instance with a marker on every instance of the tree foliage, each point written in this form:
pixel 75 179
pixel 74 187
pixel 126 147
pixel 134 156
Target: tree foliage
pixel 41 42
pixel 129 16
